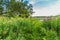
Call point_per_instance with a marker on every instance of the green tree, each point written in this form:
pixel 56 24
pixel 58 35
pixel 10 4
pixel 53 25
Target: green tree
pixel 1 10
pixel 19 8
pixel 1 2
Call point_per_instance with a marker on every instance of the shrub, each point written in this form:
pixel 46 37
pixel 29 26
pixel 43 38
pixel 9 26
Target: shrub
pixel 53 24
pixel 24 29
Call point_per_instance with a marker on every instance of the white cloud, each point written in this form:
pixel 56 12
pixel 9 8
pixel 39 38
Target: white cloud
pixel 48 11
pixel 35 1
pixel 32 2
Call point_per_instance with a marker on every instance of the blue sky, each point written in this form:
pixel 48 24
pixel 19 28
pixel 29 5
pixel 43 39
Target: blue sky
pixel 45 7
pixel 42 2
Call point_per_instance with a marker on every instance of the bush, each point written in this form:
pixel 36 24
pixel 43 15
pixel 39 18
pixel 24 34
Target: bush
pixel 25 29
pixel 53 24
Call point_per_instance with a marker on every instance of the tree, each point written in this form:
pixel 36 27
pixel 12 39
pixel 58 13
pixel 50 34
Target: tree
pixel 1 10
pixel 16 8
pixel 20 8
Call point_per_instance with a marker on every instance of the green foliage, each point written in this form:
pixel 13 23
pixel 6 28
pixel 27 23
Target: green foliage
pixel 27 29
pixel 19 8
pixel 14 8
pixel 53 24
pixel 0 2
pixel 1 9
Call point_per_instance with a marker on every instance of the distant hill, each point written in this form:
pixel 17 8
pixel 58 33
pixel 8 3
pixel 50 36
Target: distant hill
pixel 45 17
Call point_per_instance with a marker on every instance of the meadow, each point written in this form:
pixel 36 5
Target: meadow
pixel 29 29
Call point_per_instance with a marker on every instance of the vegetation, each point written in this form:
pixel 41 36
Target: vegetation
pixel 16 8
pixel 14 27
pixel 1 9
pixel 29 29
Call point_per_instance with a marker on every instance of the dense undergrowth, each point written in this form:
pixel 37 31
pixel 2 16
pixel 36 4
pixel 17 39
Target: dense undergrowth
pixel 29 29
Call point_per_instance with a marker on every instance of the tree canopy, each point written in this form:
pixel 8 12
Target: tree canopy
pixel 17 8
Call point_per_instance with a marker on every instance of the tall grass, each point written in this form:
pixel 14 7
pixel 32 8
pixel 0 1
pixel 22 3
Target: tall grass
pixel 27 29
pixel 53 24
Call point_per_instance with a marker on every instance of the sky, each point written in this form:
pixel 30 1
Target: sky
pixel 45 7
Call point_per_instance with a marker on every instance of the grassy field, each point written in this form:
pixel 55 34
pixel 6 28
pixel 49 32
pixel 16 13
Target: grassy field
pixel 29 29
